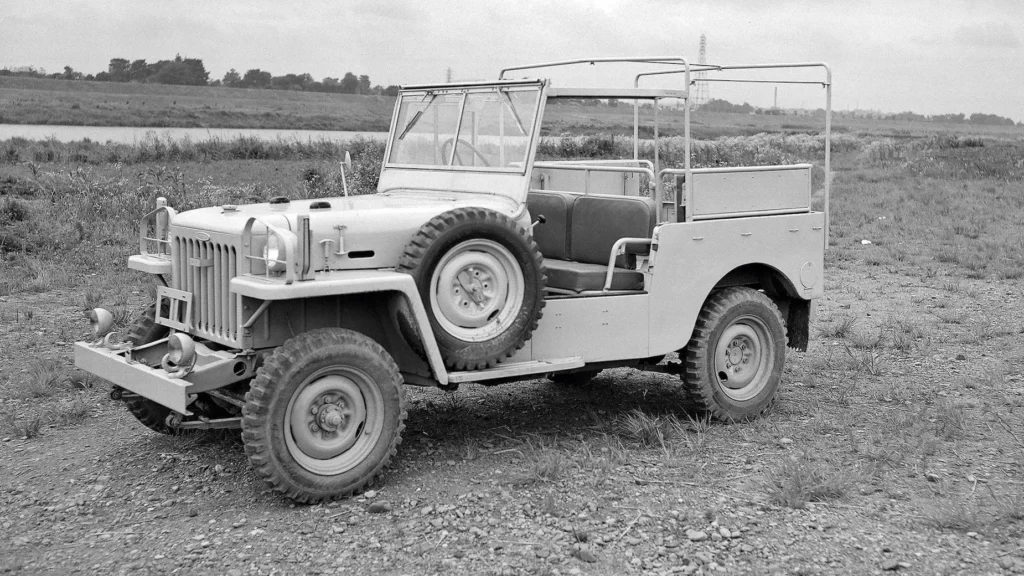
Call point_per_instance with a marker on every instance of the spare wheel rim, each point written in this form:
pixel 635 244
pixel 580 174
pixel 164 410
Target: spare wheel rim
pixel 476 290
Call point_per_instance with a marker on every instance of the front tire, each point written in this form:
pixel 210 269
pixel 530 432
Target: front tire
pixel 735 358
pixel 324 415
pixel 145 330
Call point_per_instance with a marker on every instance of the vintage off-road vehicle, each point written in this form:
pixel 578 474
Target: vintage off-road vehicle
pixel 300 322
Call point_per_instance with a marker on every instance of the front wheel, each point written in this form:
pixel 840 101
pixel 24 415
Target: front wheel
pixel 324 415
pixel 735 357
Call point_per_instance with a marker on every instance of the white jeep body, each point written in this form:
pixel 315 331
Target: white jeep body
pixel 628 272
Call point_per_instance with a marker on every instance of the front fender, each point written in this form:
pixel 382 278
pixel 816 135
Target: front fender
pixel 342 282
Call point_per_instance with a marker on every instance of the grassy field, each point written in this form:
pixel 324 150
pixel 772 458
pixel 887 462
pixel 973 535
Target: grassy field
pixel 896 434
pixel 85 103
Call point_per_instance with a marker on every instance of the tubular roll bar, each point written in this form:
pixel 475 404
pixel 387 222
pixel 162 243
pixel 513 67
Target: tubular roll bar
pixel 688 69
pixel 827 84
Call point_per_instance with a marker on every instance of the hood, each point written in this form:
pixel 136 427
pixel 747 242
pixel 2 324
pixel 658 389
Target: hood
pixel 352 209
pixel 374 229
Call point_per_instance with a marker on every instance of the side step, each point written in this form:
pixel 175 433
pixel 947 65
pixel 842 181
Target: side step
pixel 528 368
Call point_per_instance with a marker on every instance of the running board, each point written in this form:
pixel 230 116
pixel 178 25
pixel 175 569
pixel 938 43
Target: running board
pixel 518 369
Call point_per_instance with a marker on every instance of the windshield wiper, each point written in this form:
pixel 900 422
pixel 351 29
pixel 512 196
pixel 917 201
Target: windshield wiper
pixel 416 117
pixel 512 108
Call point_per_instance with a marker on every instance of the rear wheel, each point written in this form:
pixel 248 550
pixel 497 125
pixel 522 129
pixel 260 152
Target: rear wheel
pixel 735 358
pixel 324 415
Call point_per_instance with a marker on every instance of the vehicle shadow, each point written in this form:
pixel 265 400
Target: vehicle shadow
pixel 542 407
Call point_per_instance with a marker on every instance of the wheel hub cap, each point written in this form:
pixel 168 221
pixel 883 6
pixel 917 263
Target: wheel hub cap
pixel 327 417
pixel 743 362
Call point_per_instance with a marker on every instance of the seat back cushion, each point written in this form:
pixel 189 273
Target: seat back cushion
pixel 599 221
pixel 552 237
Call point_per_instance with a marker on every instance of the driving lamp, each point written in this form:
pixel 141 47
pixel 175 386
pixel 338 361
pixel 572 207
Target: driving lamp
pixel 181 351
pixel 101 321
pixel 273 254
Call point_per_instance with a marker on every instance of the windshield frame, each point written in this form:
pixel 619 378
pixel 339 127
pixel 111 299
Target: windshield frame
pixel 430 93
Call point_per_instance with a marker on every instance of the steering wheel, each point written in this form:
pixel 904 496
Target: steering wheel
pixel 462 143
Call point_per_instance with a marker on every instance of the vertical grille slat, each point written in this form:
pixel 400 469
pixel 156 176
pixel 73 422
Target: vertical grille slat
pixel 205 269
pixel 233 302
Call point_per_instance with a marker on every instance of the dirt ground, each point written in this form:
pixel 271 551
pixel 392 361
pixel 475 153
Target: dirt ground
pixel 895 445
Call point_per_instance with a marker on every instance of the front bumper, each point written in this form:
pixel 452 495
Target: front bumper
pixel 139 370
pixel 152 383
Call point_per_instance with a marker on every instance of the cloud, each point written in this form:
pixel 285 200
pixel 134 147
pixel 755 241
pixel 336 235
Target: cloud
pixel 987 35
pixel 981 35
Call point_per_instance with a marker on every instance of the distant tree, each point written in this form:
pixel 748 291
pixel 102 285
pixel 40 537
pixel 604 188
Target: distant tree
pixel 718 105
pixel 101 77
pixel 292 82
pixel 613 103
pixel 198 76
pixel 350 83
pixel 991 119
pixel 391 90
pixel 256 78
pixel 232 78
pixel 70 74
pixel 331 85
pixel 118 69
pixel 171 72
pixel 138 71
pixel 364 84
pixel 948 118
pixel 908 116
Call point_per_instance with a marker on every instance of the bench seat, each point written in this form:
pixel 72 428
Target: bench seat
pixel 579 232
pixel 583 277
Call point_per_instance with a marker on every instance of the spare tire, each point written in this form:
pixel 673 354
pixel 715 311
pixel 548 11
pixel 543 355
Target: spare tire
pixel 481 278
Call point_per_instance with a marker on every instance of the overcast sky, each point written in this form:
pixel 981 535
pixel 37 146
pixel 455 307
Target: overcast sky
pixel 925 56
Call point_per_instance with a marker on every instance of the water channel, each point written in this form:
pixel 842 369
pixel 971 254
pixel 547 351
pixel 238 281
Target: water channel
pixel 129 135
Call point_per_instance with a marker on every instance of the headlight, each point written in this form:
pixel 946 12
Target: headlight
pixel 101 321
pixel 273 254
pixel 181 352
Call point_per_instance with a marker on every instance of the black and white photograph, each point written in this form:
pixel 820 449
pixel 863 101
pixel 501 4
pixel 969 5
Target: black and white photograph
pixel 592 287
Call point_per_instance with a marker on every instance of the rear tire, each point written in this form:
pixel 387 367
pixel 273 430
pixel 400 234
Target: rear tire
pixel 735 358
pixel 324 415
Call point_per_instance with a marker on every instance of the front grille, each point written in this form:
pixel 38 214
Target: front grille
pixel 205 268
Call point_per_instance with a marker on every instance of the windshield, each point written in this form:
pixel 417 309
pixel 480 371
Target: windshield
pixel 478 128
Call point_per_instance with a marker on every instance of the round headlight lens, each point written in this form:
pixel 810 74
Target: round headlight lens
pixel 101 321
pixel 181 349
pixel 273 253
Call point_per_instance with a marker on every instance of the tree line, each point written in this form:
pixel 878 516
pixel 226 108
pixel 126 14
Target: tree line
pixel 191 72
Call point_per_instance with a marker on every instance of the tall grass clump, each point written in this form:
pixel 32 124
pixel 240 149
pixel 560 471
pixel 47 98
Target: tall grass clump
pixel 800 479
pixel 45 377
